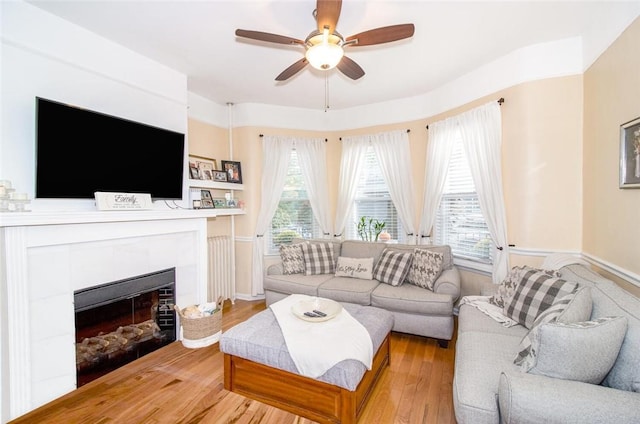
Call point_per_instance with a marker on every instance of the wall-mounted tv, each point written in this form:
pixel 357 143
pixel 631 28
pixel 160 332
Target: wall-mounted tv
pixel 79 152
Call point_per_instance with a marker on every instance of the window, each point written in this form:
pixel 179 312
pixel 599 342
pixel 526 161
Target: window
pixel 374 201
pixel 294 217
pixel 459 221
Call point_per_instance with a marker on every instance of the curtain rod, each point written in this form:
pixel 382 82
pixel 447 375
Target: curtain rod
pixel 408 131
pixel 500 101
pixel 262 135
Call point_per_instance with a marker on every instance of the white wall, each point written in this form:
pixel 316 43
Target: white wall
pixel 45 56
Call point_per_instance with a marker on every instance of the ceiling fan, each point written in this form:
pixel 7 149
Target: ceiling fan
pixel 324 47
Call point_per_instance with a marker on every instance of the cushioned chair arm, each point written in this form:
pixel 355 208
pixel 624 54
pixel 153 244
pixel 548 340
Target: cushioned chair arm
pixel 528 398
pixel 275 269
pixel 448 283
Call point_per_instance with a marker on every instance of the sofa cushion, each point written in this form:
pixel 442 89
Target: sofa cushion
pixel 337 244
pixel 351 290
pixel 580 351
pixel 361 268
pixel 574 307
pixel 473 319
pixel 609 299
pixel 536 292
pixel 505 290
pixel 393 267
pixel 411 299
pixel 296 283
pixel 292 258
pixel 318 258
pixel 425 268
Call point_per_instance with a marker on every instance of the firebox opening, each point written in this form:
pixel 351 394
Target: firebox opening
pixel 121 321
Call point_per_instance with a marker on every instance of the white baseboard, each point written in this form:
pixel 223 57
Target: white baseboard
pixel 248 297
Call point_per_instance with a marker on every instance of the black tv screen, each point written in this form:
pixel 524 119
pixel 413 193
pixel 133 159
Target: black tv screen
pixel 79 152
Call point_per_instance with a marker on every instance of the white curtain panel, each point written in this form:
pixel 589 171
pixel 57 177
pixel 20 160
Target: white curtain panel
pixel 351 162
pixel 481 131
pixel 276 154
pixel 313 163
pixel 439 150
pixel 394 157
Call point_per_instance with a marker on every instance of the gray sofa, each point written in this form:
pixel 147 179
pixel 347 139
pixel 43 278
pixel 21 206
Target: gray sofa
pixel 415 310
pixel 489 388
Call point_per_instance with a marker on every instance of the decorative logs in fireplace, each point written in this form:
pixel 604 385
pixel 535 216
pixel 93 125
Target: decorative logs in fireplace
pixel 94 350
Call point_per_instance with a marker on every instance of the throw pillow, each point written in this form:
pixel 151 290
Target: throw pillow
pixel 536 292
pixel 508 286
pixel 392 267
pixel 574 307
pixel 318 258
pixel 361 268
pixel 292 258
pixel 580 351
pixel 425 268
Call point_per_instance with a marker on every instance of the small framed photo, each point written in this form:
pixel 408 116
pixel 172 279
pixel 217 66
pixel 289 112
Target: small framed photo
pixel 207 204
pixel 206 170
pixel 219 203
pixel 196 204
pixel 205 195
pixel 193 172
pixel 233 170
pixel 220 176
pixel 630 154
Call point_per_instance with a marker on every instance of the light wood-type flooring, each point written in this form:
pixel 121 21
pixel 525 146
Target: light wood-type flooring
pixel 179 385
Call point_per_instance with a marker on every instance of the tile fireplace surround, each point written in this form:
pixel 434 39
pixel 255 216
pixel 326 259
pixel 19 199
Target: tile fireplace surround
pixel 45 257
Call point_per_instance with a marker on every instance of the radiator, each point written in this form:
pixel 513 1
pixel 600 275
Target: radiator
pixel 221 269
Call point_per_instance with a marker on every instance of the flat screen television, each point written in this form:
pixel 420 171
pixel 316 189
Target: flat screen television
pixel 79 152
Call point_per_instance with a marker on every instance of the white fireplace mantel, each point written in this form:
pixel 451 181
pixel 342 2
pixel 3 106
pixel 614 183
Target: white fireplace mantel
pixel 46 256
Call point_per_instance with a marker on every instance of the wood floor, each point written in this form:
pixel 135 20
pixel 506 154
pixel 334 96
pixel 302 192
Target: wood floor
pixel 179 385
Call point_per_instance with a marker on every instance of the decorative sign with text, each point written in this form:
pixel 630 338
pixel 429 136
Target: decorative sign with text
pixel 122 201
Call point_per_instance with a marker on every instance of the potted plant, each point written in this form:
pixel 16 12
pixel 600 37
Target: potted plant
pixel 369 228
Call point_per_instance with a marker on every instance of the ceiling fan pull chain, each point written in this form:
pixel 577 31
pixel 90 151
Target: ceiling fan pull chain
pixel 326 92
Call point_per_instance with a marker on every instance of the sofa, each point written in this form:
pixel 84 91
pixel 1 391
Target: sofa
pixel 488 387
pixel 416 310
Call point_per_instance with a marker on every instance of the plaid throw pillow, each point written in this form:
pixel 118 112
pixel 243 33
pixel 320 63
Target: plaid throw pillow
pixel 425 268
pixel 292 258
pixel 318 258
pixel 508 286
pixel 393 267
pixel 535 294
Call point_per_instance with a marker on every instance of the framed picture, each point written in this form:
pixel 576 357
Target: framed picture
pixel 206 170
pixel 219 203
pixel 206 204
pixel 630 154
pixel 205 195
pixel 234 173
pixel 220 176
pixel 193 172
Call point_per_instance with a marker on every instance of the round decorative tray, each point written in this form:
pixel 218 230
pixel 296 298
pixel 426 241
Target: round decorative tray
pixel 317 309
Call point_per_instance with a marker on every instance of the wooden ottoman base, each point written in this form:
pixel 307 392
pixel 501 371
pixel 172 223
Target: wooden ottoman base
pixel 307 397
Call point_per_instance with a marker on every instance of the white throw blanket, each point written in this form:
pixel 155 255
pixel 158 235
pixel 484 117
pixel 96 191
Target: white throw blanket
pixel 317 346
pixel 482 304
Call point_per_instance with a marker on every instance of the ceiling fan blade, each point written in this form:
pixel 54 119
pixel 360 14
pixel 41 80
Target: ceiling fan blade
pixel 382 35
pixel 350 68
pixel 266 36
pixel 292 70
pixel 327 14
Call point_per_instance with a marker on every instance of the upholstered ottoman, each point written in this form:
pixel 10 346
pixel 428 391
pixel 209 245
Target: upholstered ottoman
pixel 257 364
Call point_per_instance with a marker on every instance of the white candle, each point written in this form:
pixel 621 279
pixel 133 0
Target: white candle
pixel 5 183
pixel 19 196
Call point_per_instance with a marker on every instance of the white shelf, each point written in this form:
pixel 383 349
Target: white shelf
pixel 214 185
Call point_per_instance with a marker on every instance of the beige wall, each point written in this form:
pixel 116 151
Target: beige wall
pixel 560 156
pixel 611 216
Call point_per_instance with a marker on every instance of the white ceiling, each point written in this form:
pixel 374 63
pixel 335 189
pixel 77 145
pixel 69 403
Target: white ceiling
pixel 451 39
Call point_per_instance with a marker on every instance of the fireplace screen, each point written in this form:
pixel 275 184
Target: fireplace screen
pixel 119 322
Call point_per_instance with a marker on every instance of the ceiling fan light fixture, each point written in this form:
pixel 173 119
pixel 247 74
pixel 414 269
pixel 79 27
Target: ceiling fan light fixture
pixel 324 56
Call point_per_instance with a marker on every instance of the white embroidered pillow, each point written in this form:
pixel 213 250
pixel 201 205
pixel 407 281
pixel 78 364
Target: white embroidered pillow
pixel 425 268
pixel 361 268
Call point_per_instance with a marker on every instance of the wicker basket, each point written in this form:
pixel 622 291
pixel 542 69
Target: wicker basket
pixel 200 332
